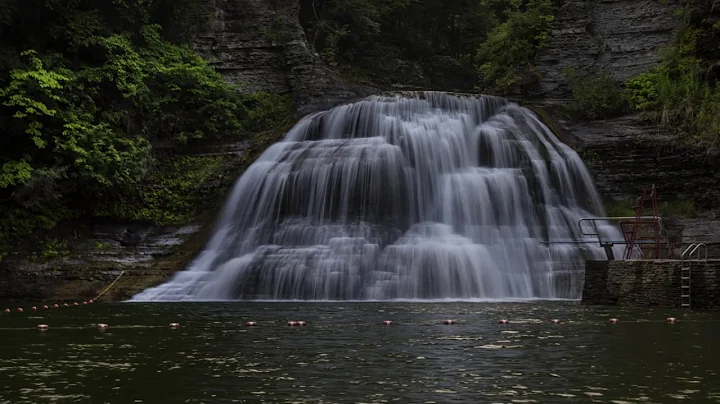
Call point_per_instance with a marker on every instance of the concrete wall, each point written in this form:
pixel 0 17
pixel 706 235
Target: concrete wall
pixel 650 283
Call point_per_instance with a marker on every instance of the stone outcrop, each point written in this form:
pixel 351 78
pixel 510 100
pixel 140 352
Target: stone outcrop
pixel 620 36
pixel 624 156
pixel 624 38
pixel 145 255
pixel 650 283
pixel 260 46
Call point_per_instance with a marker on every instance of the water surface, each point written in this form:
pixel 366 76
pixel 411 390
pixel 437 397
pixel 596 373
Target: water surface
pixel 345 354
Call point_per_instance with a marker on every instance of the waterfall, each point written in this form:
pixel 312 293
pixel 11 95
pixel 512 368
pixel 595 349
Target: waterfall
pixel 421 196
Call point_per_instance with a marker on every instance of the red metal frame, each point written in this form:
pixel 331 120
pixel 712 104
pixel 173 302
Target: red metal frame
pixel 631 233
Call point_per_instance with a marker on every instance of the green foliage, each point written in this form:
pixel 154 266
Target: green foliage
pixel 53 131
pixel 90 91
pixel 15 173
pixel 171 193
pixel 265 110
pixel 54 248
pixel 680 207
pixel 642 90
pixel 596 94
pixel 620 209
pixel 683 208
pixel 680 95
pixel 505 58
pixel 454 42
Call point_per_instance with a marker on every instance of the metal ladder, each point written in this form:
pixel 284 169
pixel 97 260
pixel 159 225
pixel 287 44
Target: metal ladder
pixel 685 274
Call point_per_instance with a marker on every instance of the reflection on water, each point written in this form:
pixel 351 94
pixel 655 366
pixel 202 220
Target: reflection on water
pixel 345 354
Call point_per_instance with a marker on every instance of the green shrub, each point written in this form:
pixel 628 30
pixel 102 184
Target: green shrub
pixel 642 90
pixel 505 58
pixel 677 95
pixel 90 92
pixel 625 208
pixel 596 94
pixel 171 193
pixel 681 207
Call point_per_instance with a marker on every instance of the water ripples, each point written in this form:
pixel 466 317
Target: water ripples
pixel 345 354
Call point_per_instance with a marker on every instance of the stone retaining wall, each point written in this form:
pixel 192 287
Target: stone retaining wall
pixel 650 283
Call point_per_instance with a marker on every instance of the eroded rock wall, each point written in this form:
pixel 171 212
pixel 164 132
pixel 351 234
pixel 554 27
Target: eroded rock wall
pixel 136 255
pixel 620 36
pixel 260 46
pixel 625 156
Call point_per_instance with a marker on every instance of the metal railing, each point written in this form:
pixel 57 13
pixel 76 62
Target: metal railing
pixel 594 220
pixel 692 249
pixel 608 244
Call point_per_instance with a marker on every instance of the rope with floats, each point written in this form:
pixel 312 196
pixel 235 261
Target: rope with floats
pixel 111 285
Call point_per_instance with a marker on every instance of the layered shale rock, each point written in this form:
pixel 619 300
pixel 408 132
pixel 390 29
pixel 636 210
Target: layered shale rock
pixel 260 46
pixel 620 36
pixel 626 156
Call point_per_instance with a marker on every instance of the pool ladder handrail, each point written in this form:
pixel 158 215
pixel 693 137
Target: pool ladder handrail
pixel 686 273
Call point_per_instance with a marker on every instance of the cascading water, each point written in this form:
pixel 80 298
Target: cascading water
pixel 423 196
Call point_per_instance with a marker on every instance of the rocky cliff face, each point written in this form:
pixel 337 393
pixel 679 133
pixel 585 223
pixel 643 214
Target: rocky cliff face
pixel 626 156
pixel 620 36
pixel 260 46
pixel 624 38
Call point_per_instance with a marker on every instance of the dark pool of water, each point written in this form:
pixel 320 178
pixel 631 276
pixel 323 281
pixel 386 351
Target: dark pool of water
pixel 345 354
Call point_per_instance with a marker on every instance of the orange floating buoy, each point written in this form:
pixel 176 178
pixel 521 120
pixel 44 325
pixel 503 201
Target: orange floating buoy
pixel 45 307
pixel 84 302
pixel 503 321
pixel 33 308
pixel 90 301
pixel 555 321
pixel 42 327
pixel 75 304
pixel 301 323
pixel 102 326
pixel 7 310
pixel 671 319
pixel 65 305
pixel 252 324
pixel 613 321
pixel 174 325
pixel 292 324
pixel 387 322
pixel 20 310
pixel 449 322
pixel 55 305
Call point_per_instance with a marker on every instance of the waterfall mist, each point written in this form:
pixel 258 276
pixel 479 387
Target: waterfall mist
pixel 421 196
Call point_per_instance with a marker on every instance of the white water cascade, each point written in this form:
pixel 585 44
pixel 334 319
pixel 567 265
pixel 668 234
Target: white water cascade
pixel 421 196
